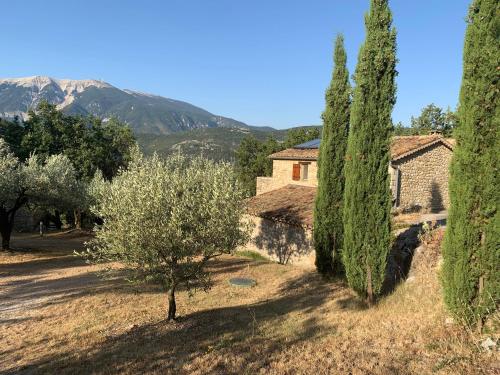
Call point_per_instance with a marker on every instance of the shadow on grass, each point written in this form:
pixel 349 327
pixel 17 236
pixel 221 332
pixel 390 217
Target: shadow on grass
pixel 41 265
pixel 352 303
pixel 35 291
pixel 245 336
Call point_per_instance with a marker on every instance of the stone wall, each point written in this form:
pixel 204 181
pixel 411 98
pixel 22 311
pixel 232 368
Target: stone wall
pixel 281 242
pixel 282 176
pixel 265 184
pixel 423 179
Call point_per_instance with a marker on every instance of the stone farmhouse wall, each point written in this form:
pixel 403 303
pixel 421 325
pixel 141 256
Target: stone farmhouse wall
pixel 265 184
pixel 423 179
pixel 281 242
pixel 283 173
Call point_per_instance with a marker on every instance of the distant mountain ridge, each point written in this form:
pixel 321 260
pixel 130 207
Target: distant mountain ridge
pixel 213 143
pixel 145 113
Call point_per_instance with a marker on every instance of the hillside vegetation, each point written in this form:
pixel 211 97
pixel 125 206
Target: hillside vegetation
pixel 213 143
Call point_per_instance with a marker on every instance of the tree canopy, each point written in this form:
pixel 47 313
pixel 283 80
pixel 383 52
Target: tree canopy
pixel 252 161
pixel 252 155
pixel 48 184
pixel 434 119
pixel 89 142
pixel 91 145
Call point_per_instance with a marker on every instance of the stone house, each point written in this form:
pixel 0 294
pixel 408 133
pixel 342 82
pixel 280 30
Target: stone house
pixel 418 170
pixel 284 202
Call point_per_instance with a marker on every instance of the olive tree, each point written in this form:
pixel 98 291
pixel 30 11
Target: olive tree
pixel 32 183
pixel 166 218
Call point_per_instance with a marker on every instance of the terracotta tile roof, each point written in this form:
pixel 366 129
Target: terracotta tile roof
pixel 451 141
pixel 292 204
pixel 400 147
pixel 296 153
pixel 406 145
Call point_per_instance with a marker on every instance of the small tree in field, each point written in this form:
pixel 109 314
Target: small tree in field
pixel 167 218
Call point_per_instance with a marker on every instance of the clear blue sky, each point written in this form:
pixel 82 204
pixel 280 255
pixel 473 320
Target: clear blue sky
pixel 264 62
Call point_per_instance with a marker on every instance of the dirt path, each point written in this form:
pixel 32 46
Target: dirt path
pixel 30 278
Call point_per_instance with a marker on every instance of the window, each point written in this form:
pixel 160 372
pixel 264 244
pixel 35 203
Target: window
pixel 305 171
pixel 300 171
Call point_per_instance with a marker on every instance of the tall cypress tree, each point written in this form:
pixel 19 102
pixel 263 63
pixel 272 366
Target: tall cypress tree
pixel 470 275
pixel 367 198
pixel 328 227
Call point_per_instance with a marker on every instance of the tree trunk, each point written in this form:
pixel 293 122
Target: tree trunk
pixel 480 320
pixel 171 303
pixel 5 229
pixel 369 289
pixel 7 221
pixel 78 218
pixel 5 240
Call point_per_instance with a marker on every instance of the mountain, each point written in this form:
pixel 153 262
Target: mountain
pixel 145 113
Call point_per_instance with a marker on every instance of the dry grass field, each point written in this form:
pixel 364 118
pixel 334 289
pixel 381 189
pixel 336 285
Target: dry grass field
pixel 58 317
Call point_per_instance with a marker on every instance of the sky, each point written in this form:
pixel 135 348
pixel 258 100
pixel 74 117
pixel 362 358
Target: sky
pixel 263 62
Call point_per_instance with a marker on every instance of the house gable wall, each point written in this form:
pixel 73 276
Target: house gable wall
pixel 423 180
pixel 283 173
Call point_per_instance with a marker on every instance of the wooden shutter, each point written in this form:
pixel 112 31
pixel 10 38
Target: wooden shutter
pixel 296 172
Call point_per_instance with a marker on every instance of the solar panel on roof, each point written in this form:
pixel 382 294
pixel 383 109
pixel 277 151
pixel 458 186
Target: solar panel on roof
pixel 309 145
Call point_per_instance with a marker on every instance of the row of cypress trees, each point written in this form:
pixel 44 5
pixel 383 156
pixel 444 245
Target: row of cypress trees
pixel 352 231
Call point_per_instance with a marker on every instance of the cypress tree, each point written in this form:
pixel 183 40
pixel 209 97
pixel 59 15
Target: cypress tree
pixel 471 280
pixel 328 227
pixel 367 198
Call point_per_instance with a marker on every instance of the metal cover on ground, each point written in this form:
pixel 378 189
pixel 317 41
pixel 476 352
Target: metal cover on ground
pixel 242 281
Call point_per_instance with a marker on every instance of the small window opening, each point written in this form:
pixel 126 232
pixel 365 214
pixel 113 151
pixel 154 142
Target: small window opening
pixel 305 171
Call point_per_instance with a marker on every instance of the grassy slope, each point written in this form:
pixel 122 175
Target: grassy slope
pixel 291 322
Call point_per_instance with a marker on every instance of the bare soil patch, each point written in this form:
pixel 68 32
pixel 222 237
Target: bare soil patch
pixel 58 316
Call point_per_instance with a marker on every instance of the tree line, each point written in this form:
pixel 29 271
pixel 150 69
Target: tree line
pixel 352 226
pixel 48 162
